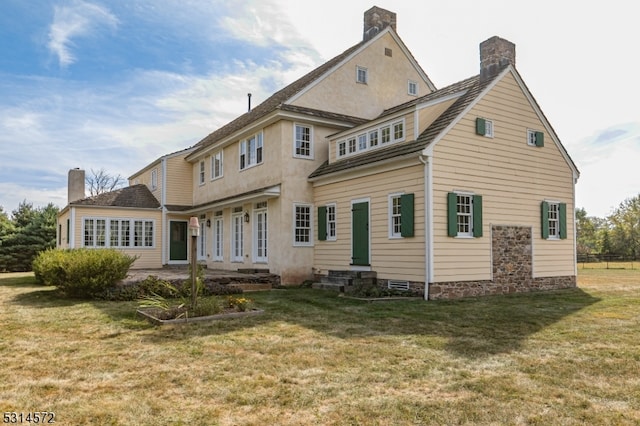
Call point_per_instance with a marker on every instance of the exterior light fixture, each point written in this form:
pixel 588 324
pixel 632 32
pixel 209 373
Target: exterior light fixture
pixel 246 217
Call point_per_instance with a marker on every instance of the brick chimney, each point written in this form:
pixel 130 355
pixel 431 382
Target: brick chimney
pixel 75 186
pixel 377 19
pixel 495 53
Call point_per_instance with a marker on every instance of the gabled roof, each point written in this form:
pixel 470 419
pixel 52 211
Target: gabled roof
pixel 473 89
pixel 470 89
pixel 272 102
pixel 157 160
pixel 135 196
pixel 276 101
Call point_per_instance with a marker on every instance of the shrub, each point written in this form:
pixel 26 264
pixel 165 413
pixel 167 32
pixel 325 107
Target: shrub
pixel 82 272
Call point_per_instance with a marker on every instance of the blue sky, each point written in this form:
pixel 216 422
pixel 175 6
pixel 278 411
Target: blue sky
pixel 116 84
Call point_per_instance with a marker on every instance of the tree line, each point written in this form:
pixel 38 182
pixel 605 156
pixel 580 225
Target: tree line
pixel 617 234
pixel 27 232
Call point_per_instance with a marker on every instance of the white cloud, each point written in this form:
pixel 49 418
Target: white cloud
pixel 75 20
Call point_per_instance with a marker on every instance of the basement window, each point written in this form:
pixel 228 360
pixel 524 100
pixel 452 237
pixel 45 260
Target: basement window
pixel 398 285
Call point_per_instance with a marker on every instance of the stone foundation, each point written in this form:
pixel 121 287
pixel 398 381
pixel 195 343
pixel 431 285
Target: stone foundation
pixel 512 269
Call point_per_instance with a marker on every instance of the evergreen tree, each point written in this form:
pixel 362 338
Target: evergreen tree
pixel 29 232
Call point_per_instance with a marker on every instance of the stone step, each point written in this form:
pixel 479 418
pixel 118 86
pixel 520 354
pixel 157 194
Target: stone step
pixel 339 280
pixel 328 286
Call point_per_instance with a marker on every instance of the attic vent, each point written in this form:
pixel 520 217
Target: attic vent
pixel 388 52
pixel 398 285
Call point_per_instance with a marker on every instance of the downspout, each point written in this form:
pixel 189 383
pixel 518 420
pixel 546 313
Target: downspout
pixel 164 226
pixel 427 226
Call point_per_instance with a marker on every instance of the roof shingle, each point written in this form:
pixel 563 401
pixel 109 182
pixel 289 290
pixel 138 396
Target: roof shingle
pixel 135 196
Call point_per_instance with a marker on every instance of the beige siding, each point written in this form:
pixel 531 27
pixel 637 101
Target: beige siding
pixel 179 181
pixel 387 83
pixel 62 241
pixel 513 178
pixel 144 178
pixel 400 258
pixel 148 257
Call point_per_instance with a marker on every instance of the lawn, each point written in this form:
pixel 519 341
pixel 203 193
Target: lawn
pixel 568 357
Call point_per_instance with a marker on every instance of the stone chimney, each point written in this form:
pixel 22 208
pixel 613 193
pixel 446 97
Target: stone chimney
pixel 75 185
pixel 377 19
pixel 495 53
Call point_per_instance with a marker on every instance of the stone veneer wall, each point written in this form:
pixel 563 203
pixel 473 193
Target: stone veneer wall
pixel 512 269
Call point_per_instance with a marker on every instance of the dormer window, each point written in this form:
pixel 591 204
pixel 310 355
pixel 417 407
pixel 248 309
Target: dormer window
pixel 389 132
pixel 362 75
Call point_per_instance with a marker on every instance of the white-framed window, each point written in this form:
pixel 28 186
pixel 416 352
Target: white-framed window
pixel 484 127
pixel 362 142
pixel 373 138
pixel 412 88
pixel 302 225
pixel 237 237
pixel 553 219
pixel 386 133
pixel 398 131
pixel 218 237
pixel 154 179
pixel 464 212
pixel 202 239
pixel 331 222
pixel 464 215
pixel 201 173
pixel 362 75
pixel 352 145
pixel 303 141
pixel 395 216
pixel 216 165
pixel 251 151
pixel 535 138
pixel 118 233
pixel 260 235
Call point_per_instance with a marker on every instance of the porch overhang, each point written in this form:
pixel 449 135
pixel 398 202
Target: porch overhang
pixel 253 196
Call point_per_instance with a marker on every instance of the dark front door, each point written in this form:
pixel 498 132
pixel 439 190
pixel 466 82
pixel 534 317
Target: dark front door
pixel 360 233
pixel 178 240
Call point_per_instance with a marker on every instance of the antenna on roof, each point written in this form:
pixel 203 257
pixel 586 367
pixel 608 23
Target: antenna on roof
pixel 249 96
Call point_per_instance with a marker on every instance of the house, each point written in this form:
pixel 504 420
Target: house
pixel 362 167
pixel 475 197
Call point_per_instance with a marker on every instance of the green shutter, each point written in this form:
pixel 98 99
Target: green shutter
pixel 563 220
pixel 539 139
pixel 322 223
pixel 452 214
pixel 481 128
pixel 544 216
pixel 477 216
pixel 406 215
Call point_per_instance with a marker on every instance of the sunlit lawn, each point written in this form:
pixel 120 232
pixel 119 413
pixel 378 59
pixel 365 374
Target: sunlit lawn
pixel 566 357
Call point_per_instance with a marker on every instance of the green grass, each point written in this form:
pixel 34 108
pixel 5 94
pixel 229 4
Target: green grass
pixel 568 357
